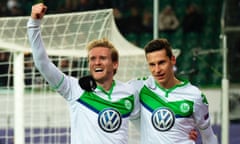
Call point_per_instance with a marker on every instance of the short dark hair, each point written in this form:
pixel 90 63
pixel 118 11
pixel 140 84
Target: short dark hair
pixel 159 44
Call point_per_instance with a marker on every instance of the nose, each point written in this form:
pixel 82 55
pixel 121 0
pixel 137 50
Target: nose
pixel 157 68
pixel 97 61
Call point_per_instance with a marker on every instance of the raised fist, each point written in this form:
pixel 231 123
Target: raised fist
pixel 38 11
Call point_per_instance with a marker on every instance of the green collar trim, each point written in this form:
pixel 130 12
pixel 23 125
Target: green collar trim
pixel 183 82
pixel 108 93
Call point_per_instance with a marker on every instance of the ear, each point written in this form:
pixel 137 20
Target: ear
pixel 173 60
pixel 115 65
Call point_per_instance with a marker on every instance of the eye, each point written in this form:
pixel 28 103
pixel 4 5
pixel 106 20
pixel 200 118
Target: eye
pixel 151 64
pixel 161 62
pixel 103 57
pixel 92 59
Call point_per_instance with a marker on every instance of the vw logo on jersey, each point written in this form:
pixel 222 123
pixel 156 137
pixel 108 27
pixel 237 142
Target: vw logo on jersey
pixel 109 120
pixel 163 119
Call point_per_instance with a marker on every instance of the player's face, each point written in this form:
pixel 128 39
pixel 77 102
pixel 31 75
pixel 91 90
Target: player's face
pixel 161 67
pixel 101 64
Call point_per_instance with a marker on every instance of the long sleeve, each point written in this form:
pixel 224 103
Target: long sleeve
pixel 48 70
pixel 202 118
pixel 208 136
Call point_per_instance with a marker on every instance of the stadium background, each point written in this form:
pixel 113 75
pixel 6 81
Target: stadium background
pixel 134 20
pixel 207 66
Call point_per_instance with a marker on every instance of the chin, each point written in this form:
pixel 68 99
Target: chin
pixel 98 78
pixel 160 80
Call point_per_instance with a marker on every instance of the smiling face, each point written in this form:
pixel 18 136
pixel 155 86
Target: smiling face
pixel 101 65
pixel 161 61
pixel 161 67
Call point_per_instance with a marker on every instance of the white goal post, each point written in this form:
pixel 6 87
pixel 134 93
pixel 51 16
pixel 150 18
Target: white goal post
pixel 31 113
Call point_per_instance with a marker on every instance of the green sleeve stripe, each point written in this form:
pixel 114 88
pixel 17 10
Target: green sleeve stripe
pixel 204 99
pixel 59 84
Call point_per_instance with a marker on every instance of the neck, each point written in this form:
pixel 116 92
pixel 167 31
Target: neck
pixel 171 83
pixel 106 85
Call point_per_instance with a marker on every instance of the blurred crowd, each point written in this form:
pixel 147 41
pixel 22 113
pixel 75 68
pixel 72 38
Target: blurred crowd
pixel 132 16
pixel 183 23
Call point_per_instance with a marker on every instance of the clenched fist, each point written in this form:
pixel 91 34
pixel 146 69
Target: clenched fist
pixel 38 11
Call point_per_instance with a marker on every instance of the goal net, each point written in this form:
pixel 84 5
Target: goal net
pixel 31 113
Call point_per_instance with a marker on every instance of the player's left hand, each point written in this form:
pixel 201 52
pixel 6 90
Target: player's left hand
pixel 87 83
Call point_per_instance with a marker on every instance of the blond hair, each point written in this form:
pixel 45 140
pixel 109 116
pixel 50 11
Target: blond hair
pixel 104 42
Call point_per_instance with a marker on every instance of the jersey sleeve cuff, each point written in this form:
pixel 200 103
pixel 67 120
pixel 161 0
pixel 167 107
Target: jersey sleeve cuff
pixel 33 23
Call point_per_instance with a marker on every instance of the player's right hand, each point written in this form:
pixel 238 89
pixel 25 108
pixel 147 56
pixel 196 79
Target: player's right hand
pixel 38 11
pixel 193 135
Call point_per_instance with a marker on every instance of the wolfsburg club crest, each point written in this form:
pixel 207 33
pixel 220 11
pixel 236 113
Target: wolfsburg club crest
pixel 109 120
pixel 163 119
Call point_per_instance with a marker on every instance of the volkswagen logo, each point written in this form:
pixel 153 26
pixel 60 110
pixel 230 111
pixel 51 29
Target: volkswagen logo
pixel 109 120
pixel 163 119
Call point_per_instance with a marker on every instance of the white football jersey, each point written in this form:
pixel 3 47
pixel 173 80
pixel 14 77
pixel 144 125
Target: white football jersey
pixel 168 115
pixel 99 117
